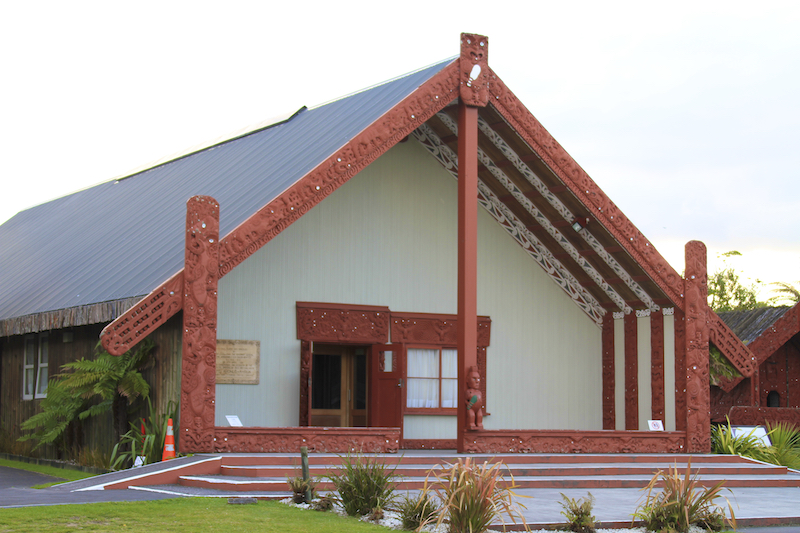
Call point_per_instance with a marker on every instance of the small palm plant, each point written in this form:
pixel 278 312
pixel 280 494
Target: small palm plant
pixel 682 502
pixel 474 496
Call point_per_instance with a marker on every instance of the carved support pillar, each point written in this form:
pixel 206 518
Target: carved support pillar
pixel 680 370
pixel 609 382
pixel 698 431
pixel 199 364
pixel 631 373
pixel 657 364
pixel 755 388
pixel 305 382
pixel 473 91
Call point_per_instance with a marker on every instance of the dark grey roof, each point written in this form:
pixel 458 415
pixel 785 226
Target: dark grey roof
pixel 123 238
pixel 749 325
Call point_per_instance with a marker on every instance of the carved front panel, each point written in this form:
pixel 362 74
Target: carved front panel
pixel 546 441
pixel 680 371
pixel 305 382
pixel 609 379
pixel 697 385
pixel 760 416
pixel 198 373
pixel 327 323
pixel 657 364
pixel 631 373
pixel 289 440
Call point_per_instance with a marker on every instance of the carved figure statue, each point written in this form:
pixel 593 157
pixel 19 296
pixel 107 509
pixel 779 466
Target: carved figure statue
pixel 474 399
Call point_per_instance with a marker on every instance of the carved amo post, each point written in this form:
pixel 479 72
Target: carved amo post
pixel 473 94
pixel 199 364
pixel 698 418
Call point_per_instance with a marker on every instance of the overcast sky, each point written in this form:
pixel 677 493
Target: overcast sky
pixel 685 114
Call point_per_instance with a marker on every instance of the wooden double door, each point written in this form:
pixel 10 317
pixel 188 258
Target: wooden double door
pixel 356 386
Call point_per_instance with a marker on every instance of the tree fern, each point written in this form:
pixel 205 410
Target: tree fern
pixel 90 387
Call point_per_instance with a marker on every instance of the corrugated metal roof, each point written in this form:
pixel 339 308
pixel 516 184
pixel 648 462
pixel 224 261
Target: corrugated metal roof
pixel 123 238
pixel 749 325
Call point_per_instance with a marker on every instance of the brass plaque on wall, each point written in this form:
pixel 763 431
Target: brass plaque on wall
pixel 237 362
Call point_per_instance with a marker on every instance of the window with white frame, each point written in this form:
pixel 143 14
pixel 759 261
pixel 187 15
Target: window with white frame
pixel 35 368
pixel 431 378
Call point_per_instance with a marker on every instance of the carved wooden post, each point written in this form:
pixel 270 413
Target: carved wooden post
pixel 609 379
pixel 198 374
pixel 473 93
pixel 657 364
pixel 680 370
pixel 698 419
pixel 631 373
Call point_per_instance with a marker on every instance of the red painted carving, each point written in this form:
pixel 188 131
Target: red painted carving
pixel 396 124
pixel 698 437
pixel 322 322
pixel 289 440
pixel 657 364
pixel 305 382
pixel 793 362
pixel 429 444
pixel 580 184
pixel 199 364
pixel 680 371
pixel 363 149
pixel 474 400
pixel 474 81
pixel 609 381
pixel 759 416
pixel 140 320
pixel 731 347
pixel 722 401
pixel 556 441
pixel 631 373
pixel 429 328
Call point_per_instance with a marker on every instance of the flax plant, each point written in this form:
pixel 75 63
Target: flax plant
pixel 472 496
pixel 682 502
pixel 363 484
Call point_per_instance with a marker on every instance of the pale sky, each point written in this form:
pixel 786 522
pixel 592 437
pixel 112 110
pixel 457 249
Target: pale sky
pixel 686 114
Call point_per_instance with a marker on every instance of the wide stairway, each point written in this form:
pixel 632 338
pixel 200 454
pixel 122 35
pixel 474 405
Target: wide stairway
pixel 264 475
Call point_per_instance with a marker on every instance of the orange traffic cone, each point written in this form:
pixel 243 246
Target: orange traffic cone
pixel 169 443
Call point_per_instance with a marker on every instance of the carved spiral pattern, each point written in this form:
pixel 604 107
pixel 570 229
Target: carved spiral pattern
pixel 698 435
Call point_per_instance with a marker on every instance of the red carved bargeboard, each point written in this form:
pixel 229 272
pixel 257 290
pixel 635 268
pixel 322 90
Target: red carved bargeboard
pixel 558 441
pixel 732 348
pixel 584 188
pixel 266 223
pixel 759 416
pixel 318 439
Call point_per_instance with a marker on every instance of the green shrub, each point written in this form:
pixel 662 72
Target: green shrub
pixel 323 504
pixel 682 502
pixel 723 441
pixel 149 444
pixel 300 486
pixel 417 511
pixel 578 513
pixel 473 496
pixel 785 449
pixel 363 483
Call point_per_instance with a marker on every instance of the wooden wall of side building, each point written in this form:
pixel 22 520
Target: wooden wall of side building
pixel 96 433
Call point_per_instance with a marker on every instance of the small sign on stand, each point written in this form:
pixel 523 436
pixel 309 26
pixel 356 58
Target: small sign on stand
pixel 233 421
pixel 655 425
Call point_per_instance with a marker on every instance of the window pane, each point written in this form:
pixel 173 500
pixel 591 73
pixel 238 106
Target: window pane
pixel 29 380
pixel 449 392
pixel 41 383
pixel 449 363
pixel 423 363
pixel 422 393
pixel 387 361
pixel 30 351
pixel 43 355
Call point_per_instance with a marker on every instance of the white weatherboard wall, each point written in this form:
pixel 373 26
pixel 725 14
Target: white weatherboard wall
pixel 388 237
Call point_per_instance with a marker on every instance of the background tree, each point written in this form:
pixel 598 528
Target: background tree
pixel 728 292
pixel 786 293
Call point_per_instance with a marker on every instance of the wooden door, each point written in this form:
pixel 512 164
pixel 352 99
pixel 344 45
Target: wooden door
pixel 386 386
pixel 339 388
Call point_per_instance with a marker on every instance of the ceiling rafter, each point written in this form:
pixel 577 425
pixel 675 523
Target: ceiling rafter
pixel 542 220
pixel 554 201
pixel 500 212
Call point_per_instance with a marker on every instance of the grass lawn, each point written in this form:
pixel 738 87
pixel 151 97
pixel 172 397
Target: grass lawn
pixel 179 515
pixel 63 473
